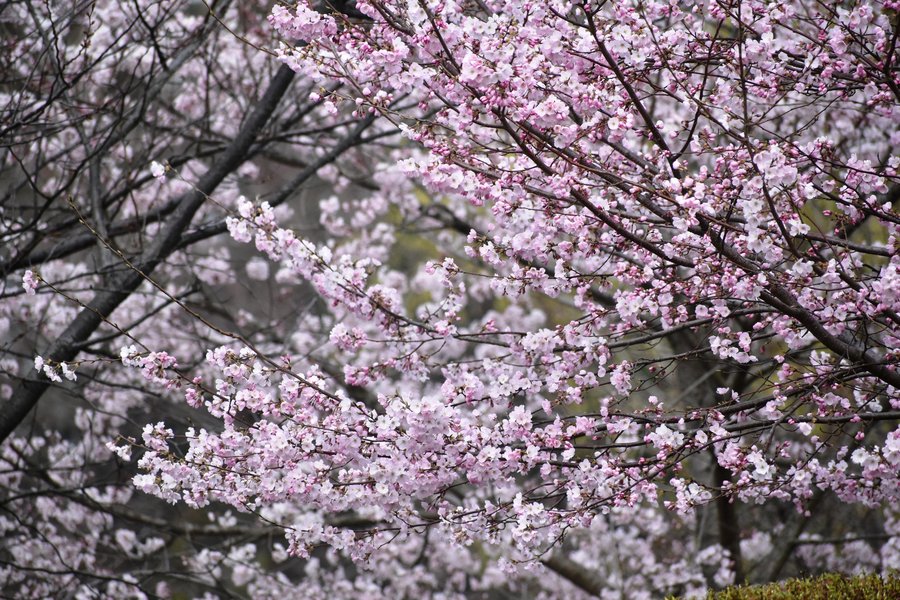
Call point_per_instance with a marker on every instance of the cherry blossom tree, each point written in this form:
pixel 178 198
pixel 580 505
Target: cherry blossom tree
pixel 597 300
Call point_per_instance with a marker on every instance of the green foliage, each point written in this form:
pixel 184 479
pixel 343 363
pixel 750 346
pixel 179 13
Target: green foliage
pixel 831 586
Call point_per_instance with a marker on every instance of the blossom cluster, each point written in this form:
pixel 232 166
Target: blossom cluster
pixel 622 288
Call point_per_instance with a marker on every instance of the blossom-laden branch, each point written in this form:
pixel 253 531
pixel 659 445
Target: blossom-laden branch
pixel 631 264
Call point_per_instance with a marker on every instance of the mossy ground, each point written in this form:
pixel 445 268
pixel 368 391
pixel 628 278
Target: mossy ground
pixel 831 586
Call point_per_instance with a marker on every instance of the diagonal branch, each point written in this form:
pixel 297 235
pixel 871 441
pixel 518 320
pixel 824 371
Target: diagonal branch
pixel 101 306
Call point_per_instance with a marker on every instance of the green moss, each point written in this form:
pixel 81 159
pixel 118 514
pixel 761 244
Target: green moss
pixel 831 586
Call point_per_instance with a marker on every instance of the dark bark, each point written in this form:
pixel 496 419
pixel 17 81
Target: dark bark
pixel 574 573
pixel 101 306
pixel 729 526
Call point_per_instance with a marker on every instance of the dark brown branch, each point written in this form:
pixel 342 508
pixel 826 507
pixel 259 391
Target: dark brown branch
pixel 101 306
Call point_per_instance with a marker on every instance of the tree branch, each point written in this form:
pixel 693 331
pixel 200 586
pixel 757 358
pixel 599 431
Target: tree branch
pixel 101 306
